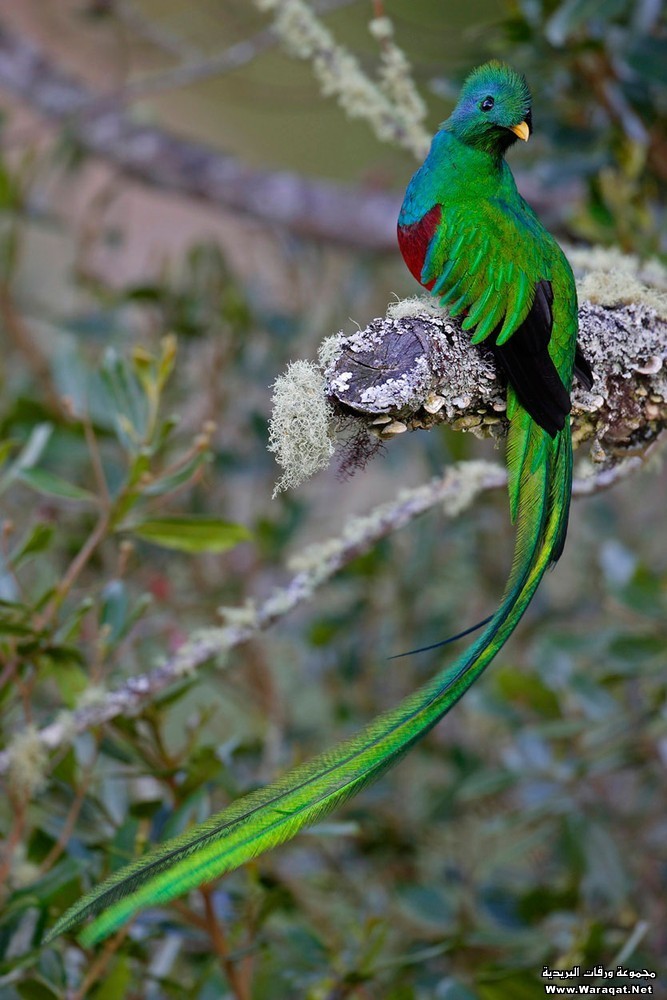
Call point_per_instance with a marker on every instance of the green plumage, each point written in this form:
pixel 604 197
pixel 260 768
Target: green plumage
pixel 483 251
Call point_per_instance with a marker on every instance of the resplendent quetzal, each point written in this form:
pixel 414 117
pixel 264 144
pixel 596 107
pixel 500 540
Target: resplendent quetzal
pixel 469 237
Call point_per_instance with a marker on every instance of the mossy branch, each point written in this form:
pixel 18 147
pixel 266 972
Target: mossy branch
pixel 415 368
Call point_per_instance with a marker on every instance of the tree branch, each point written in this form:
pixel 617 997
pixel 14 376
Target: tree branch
pixel 453 492
pixel 415 368
pixel 194 68
pixel 350 216
pixel 316 209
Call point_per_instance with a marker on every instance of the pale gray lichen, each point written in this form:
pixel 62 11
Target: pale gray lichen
pixel 65 723
pixel 472 475
pixel 464 481
pixel 607 277
pixel 585 260
pixel 620 288
pixel 315 558
pixel 397 392
pixel 397 82
pixel 242 616
pixel 283 600
pixel 28 762
pixel 415 305
pixel 390 107
pixel 328 350
pixel 188 657
pixel 299 426
pixel 414 358
pixel 308 559
pixel 93 696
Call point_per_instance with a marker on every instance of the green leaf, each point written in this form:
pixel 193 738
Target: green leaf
pixel 126 399
pixel 71 626
pixel 36 989
pixel 517 686
pixel 171 482
pixel 67 674
pixel 5 448
pixel 115 608
pixel 60 884
pixel 116 983
pixel 119 613
pixel 30 454
pixel 190 533
pixel 35 541
pixel 53 486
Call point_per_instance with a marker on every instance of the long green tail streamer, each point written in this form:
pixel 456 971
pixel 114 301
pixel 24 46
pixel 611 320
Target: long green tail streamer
pixel 540 479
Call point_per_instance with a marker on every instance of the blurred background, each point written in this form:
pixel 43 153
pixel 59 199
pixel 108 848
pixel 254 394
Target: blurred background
pixel 182 213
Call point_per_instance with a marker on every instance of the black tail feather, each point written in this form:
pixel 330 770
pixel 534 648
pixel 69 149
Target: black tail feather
pixel 443 642
pixel 529 367
pixel 582 369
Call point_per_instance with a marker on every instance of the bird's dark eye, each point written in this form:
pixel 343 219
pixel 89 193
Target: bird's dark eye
pixel 487 104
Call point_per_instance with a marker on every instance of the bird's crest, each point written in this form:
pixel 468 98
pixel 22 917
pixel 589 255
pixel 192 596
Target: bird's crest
pixel 493 109
pixel 495 75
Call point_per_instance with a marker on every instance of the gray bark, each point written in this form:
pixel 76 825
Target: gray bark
pixel 419 370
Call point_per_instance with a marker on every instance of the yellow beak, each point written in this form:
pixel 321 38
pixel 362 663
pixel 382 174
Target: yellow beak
pixel 521 130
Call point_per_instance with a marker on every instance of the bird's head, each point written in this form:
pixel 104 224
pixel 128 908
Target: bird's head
pixel 493 110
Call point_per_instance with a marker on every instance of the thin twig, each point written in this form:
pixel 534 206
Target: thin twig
pixel 216 933
pixel 89 547
pixel 155 33
pixel 97 968
pixel 96 461
pixel 9 669
pixel 14 837
pixel 195 68
pixel 188 915
pixel 70 820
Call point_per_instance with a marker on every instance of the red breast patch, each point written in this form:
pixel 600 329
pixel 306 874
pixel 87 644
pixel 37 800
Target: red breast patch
pixel 414 240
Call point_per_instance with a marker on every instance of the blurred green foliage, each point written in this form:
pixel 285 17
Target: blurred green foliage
pixel 527 830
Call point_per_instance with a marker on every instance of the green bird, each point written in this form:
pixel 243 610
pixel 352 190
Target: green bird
pixel 468 236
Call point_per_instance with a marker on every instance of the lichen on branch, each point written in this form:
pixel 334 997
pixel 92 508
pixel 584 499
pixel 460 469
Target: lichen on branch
pixel 415 367
pixel 392 106
pixel 299 427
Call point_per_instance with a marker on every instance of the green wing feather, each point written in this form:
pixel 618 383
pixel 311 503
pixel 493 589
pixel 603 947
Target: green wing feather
pixel 462 257
pixel 272 815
